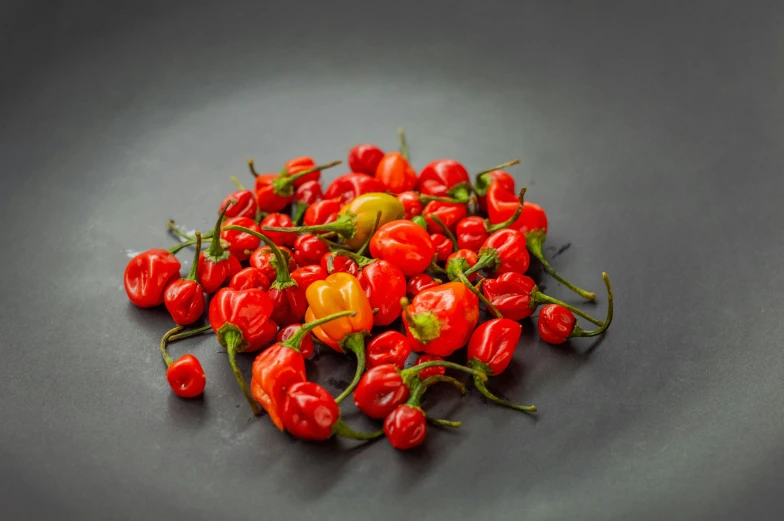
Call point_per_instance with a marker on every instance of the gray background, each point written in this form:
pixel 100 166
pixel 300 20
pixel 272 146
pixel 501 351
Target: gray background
pixel 650 133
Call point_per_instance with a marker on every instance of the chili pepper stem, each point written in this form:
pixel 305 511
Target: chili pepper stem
pixel 173 227
pixel 424 326
pixel 354 342
pixel 435 267
pixel 216 253
pixel 344 431
pixel 499 167
pixel 443 423
pixel 424 199
pixel 296 339
pixel 455 271
pixel 401 135
pixel 480 385
pixel 233 340
pixel 410 374
pixel 534 241
pixel 165 342
pixel 176 249
pixel 360 259
pixel 509 222
pixel 252 168
pixel 237 182
pixel 193 274
pixel 344 225
pixel 283 278
pixel 579 332
pixel 447 231
pixel 282 185
pixel 299 212
pixel 192 332
pixel 487 257
pixel 427 382
pixel 537 298
pixel 362 249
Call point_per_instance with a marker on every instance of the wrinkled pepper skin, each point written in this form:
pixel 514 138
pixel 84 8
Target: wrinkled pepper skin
pixel 148 274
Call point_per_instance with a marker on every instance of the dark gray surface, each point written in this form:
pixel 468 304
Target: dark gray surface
pixel 651 135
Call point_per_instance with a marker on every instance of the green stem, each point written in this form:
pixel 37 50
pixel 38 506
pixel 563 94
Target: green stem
pixel 216 253
pixel 447 232
pixel 173 227
pixel 354 342
pixel 364 246
pixel 344 431
pixel 579 332
pixel 283 184
pixel 443 423
pixel 455 271
pixel 345 226
pixel 427 382
pixel 409 375
pixel 195 266
pixel 435 267
pixel 499 167
pixel 283 278
pixel 534 240
pixel 538 298
pixel 487 257
pixel 403 144
pixel 233 339
pixel 193 332
pixel 296 339
pixel 252 168
pixel 509 222
pixel 175 249
pixel 237 182
pixel 361 260
pixel 480 385
pixel 424 199
pixel 299 212
pixel 165 342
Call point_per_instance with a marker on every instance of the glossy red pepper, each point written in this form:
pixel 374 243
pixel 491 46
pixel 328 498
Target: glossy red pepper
pixel 445 178
pixel 279 220
pixel 384 285
pixel 281 366
pixel 148 274
pixel 266 337
pixel 449 213
pixel 557 323
pixel 184 298
pixel 443 246
pixel 245 205
pixel 403 244
pixel 406 427
pixel 307 194
pixel 440 320
pixel 411 204
pixel 308 249
pixel 396 173
pixel 350 186
pixel 334 262
pixel 302 164
pixel 503 251
pixel 390 347
pixel 494 175
pixel 470 258
pixel 322 212
pixel 275 191
pixel 473 231
pixel 184 375
pixel 307 275
pixel 239 319
pixel 517 296
pixel 432 371
pixel 249 278
pixel 306 346
pixel 419 282
pixel 241 244
pixel 216 264
pixel 309 412
pixel 490 351
pixel 263 259
pixel 364 159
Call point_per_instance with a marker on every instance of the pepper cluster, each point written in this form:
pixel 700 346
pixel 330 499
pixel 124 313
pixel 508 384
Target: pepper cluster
pixel 381 248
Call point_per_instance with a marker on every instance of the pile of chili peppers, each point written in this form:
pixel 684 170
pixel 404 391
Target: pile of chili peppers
pixel 383 263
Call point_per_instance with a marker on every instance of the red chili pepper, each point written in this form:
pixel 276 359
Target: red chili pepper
pixel 433 371
pixel 302 164
pixel 473 231
pixel 442 245
pixel 275 191
pixel 184 298
pixel 503 251
pixel 263 259
pixel 449 213
pixel 495 175
pixel 279 367
pixel 396 173
pixel 406 427
pixel 411 204
pixel 557 323
pixel 334 262
pixel 250 278
pixel 308 249
pixel 445 178
pixel 350 186
pixel 470 258
pixel 245 205
pixel 384 286
pixel 309 412
pixel 308 193
pixel 279 220
pixel 390 347
pixel 418 283
pixel 306 346
pixel 216 265
pixel 307 275
pixel 148 274
pixel 266 337
pixel 364 159
pixel 517 296
pixel 440 320
pixel 241 244
pixel 184 375
pixel 489 352
pixel 239 320
pixel 405 245
pixel 384 387
pixel 322 212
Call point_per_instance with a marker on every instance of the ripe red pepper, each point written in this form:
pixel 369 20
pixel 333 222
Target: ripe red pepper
pixel 384 286
pixel 557 323
pixel 406 427
pixel 275 191
pixel 517 296
pixel 239 319
pixel 279 367
pixel 302 164
pixel 307 275
pixel 148 274
pixel 309 412
pixel 322 212
pixel 334 262
pixel 384 387
pixel 241 244
pixel 488 177
pixel 350 186
pixel 245 205
pixel 418 283
pixel 489 352
pixel 184 375
pixel 306 346
pixel 449 213
pixel 249 278
pixel 396 173
pixel 403 244
pixel 411 204
pixel 308 249
pixel 433 371
pixel 503 251
pixel 390 347
pixel 279 220
pixel 263 259
pixel 266 337
pixel 470 260
pixel 473 231
pixel 184 298
pixel 307 194
pixel 440 320
pixel 445 178
pixel 217 265
pixel 442 245
pixel 364 159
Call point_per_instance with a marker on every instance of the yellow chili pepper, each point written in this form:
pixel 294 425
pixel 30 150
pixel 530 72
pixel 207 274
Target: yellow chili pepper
pixel 341 292
pixel 356 220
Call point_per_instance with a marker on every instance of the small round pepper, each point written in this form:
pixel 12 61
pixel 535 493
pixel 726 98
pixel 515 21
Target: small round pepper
pixel 364 159
pixel 557 323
